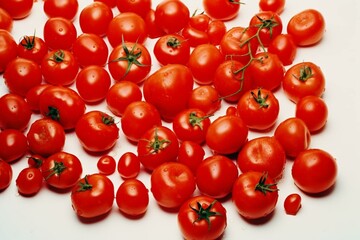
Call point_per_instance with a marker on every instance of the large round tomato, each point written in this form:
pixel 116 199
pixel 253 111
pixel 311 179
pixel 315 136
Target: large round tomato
pixel 64 8
pixel 169 89
pixel 284 47
pixel 255 195
pixel 172 184
pixel 29 181
pixel 5 174
pixel 13 145
pixel 140 7
pixel 171 16
pixel 216 175
pixel 17 9
pixel 59 33
pixel 202 217
pixel 97 131
pixel 172 48
pixel 222 9
pixel 8 49
pixel 93 196
pixel 314 171
pixel 32 48
pixel 158 145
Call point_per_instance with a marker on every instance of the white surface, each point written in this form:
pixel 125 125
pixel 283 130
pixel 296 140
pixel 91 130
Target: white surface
pixel 49 215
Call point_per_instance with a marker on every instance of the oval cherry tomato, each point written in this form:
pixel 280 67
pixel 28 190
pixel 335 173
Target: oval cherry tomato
pixel 276 6
pixel 32 48
pixel 172 48
pixel 29 181
pixel 13 145
pixel 292 204
pixel 128 165
pixel 59 33
pixel 140 7
pixel 8 51
pixel 17 9
pixel 5 174
pixel 106 165
pixel 222 9
pixel 191 154
pixel 284 47
pixel 171 16
pixel 64 8
pixel 205 98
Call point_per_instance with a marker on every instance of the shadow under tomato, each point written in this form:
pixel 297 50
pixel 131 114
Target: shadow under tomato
pixel 94 219
pixel 321 194
pixel 260 221
pixel 132 217
pixel 58 190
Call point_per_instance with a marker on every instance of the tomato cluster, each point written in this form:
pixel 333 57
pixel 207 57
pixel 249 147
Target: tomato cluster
pixel 169 114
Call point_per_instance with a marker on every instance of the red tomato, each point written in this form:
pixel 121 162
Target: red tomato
pixel 59 33
pixel 93 83
pixel 15 112
pixel 106 165
pixel 172 48
pixel 171 16
pixel 259 109
pixel 139 117
pixel 227 134
pixel 5 174
pixel 93 196
pixel 276 6
pixel 62 104
pixel 172 184
pixel 203 62
pixel 6 21
pixel 29 181
pixel 292 204
pixel 132 197
pixel 191 154
pixel 313 111
pixel 202 217
pixel 126 27
pixel 140 7
pixel 284 47
pixel 191 124
pixel 17 9
pixel 110 3
pixel 22 74
pixel 61 170
pixel 154 30
pixel 95 18
pixel 35 161
pixel 59 67
pixel 120 95
pixel 33 96
pixel 32 48
pixel 216 175
pixel 13 145
pixel 307 27
pixel 90 49
pixel 255 195
pixel 97 131
pixel 303 79
pixel 205 98
pixel 169 89
pixel 222 9
pixel 314 171
pixel 130 61
pixel 46 137
pixel 263 154
pixel 293 135
pixel 8 49
pixel 158 145
pixel 128 165
pixel 64 8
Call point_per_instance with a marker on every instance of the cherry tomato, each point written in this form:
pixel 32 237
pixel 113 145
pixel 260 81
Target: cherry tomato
pixel 205 98
pixel 172 48
pixel 6 21
pixel 172 184
pixel 314 171
pixel 132 197
pixel 202 217
pixel 93 196
pixel 35 161
pixel 110 3
pixel 13 145
pixel 17 9
pixel 154 30
pixel 106 165
pixel 140 7
pixel 33 96
pixel 215 176
pixel 191 154
pixel 32 48
pixel 59 33
pixel 8 49
pixel 128 165
pixel 15 112
pixel 307 27
pixel 6 173
pixel 292 204
pixel 64 8
pixel 222 9
pixel 284 47
pixel 171 16
pixel 276 6
pixel 29 181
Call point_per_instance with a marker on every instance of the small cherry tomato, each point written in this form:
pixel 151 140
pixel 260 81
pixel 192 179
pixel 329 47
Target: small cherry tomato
pixel 191 154
pixel 284 47
pixel 6 173
pixel 13 145
pixel 128 165
pixel 276 6
pixel 9 51
pixel 18 9
pixel 171 16
pixel 29 181
pixel 224 10
pixel 172 48
pixel 64 8
pixel 32 48
pixel 6 21
pixel 106 165
pixel 59 33
pixel 206 98
pixel 292 204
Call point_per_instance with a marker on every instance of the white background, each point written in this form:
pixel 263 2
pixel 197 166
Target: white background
pixel 48 215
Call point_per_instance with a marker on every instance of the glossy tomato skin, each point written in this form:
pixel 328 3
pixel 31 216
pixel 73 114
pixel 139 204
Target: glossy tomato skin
pixel 140 7
pixel 13 145
pixel 195 225
pixel 191 154
pixel 139 117
pixel 314 171
pixel 95 18
pixel 153 29
pixel 303 79
pixel 284 47
pixel 32 48
pixel 15 112
pixel 169 89
pixel 205 98
pixel 97 131
pixel 62 104
pixel 276 6
pixel 172 184
pixel 46 137
pixel 22 74
pixel 128 165
pixel 8 50
pixel 171 16
pixel 106 165
pixel 171 49
pixel 110 3
pixel 215 176
pixel 93 196
pixel 33 96
pixel 6 173
pixel 292 204
pixel 262 154
pixel 307 27
pixel 293 135
pixel 29 181
pixel 249 200
pixel 66 9
pixel 132 198
pixel 224 10
pixel 259 108
pixel 61 170
pixel 59 33
pixel 6 21
pixel 158 145
pixel 18 9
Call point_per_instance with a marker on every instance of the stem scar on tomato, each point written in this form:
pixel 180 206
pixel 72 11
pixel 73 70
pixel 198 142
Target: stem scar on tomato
pixel 196 121
pixel 305 73
pixel 173 42
pixel 53 113
pixel 204 213
pixel 58 56
pixel 28 42
pixel 107 120
pixel 84 186
pixel 157 145
pixel 259 99
pixel 263 187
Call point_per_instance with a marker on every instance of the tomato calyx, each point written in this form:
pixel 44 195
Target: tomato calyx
pixel 38 162
pixel 58 56
pixel 173 42
pixel 259 99
pixel 236 2
pixel 263 187
pixel 28 42
pixel 107 120
pixel 58 168
pixel 305 73
pixel 84 186
pixel 196 121
pixel 157 145
pixel 267 23
pixel 204 213
pixel 53 113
